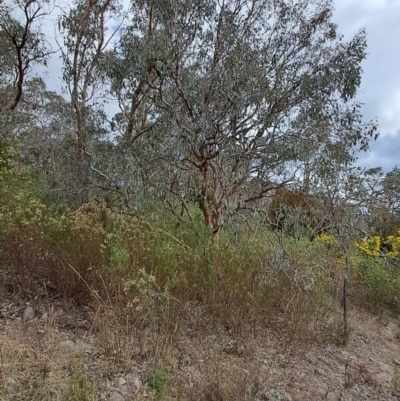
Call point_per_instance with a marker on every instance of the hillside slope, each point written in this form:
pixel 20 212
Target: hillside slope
pixel 52 351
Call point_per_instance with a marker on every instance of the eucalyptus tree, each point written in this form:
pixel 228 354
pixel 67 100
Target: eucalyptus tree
pixel 23 47
pixel 148 151
pixel 86 33
pixel 43 125
pixel 381 194
pixel 391 190
pixel 47 137
pixel 258 87
pixel 46 122
pixel 229 100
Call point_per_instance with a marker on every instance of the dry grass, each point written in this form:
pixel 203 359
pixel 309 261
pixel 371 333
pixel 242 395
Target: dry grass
pixel 44 358
pixel 36 366
pixel 184 317
pixel 171 279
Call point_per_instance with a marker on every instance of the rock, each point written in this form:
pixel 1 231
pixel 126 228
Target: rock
pixel 137 383
pixel 194 373
pixel 11 381
pixel 28 314
pixel 133 380
pixel 186 361
pixel 86 348
pixel 121 381
pixel 117 397
pixel 67 345
pixel 331 396
pixel 277 395
pixel 75 347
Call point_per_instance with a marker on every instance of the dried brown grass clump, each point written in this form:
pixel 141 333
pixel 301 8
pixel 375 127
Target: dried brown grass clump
pixel 171 278
pixel 36 366
pixel 77 255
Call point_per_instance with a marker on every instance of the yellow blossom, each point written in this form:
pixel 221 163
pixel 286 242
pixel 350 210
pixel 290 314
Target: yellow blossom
pixel 326 239
pixel 370 246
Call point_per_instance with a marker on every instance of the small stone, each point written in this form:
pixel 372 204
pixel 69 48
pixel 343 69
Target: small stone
pixel 121 381
pixel 331 396
pixel 186 361
pixel 137 383
pixel 131 379
pixel 76 347
pixel 67 345
pixel 194 374
pixel 11 381
pixel 117 397
pixel 276 395
pixel 28 314
pixel 82 346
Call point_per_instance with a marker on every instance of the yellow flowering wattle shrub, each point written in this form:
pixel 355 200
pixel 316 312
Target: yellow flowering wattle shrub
pixel 370 246
pixel 375 269
pixel 326 239
pixel 394 243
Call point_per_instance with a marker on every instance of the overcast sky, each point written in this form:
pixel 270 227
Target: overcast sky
pixel 380 87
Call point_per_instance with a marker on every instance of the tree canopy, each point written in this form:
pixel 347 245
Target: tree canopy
pixel 221 102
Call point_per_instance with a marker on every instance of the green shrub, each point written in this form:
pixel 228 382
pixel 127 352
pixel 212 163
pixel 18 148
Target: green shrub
pixel 157 380
pixel 379 285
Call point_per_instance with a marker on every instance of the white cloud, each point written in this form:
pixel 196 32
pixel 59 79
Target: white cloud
pixel 380 87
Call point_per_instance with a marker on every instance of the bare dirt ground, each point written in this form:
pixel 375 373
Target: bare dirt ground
pixel 52 352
